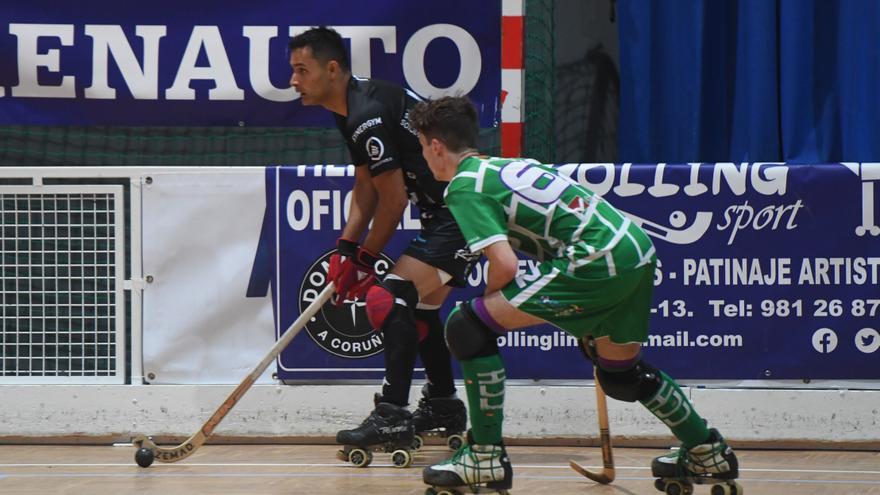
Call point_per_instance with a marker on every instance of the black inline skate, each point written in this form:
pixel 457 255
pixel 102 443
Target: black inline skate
pixel 439 417
pixel 388 429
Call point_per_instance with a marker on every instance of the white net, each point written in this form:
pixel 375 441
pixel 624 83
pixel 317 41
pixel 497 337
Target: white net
pixel 61 276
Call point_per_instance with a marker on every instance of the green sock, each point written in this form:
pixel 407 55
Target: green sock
pixel 672 407
pixel 484 382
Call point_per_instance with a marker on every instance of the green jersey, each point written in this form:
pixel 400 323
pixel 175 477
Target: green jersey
pixel 544 215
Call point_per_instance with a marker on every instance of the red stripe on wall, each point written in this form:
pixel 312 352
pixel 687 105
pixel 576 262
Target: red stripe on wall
pixel 512 42
pixel 511 139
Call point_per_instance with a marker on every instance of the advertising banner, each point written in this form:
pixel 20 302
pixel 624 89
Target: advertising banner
pixel 767 271
pixel 204 63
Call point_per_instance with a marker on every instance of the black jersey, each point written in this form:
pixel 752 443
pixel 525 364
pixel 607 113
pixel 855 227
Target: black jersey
pixel 379 136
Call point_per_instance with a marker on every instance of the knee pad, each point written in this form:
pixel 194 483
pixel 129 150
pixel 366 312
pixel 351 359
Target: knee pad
pixel 467 336
pixel 640 382
pixel 383 297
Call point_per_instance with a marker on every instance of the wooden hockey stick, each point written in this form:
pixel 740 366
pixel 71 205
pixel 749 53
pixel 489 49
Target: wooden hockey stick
pixel 192 443
pixel 607 474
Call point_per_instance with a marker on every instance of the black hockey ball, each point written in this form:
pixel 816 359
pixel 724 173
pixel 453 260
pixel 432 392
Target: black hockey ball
pixel 144 457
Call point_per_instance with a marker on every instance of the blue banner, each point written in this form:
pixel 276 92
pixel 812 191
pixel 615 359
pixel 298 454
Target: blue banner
pixel 226 63
pixel 767 271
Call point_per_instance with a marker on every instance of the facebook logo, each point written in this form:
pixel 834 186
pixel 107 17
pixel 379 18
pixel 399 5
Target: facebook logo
pixel 824 340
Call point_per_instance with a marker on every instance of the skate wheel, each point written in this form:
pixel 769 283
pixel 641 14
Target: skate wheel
pixel 455 442
pixel 434 491
pixel 342 455
pixel 676 487
pixel 401 458
pixel 732 488
pixel 360 457
pixel 418 443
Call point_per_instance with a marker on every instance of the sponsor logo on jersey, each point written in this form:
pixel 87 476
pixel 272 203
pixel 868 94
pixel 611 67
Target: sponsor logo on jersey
pixel 342 330
pixel 368 124
pixel 404 122
pixel 375 148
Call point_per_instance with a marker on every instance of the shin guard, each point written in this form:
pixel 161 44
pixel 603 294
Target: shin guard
pixel 484 380
pixel 435 355
pixel 671 406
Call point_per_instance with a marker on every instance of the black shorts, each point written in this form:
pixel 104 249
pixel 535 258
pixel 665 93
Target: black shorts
pixel 441 245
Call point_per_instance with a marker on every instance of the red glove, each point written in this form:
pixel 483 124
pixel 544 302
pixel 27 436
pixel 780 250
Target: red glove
pixel 365 263
pixel 351 270
pixel 340 262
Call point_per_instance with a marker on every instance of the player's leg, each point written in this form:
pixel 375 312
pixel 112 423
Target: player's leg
pixel 471 334
pixel 390 305
pixel 440 412
pixel 431 284
pixel 626 376
pixel 472 330
pixel 437 258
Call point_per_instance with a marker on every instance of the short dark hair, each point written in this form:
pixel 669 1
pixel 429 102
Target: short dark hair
pixel 451 119
pixel 326 45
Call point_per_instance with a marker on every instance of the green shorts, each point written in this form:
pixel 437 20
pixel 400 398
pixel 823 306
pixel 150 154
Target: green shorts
pixel 618 307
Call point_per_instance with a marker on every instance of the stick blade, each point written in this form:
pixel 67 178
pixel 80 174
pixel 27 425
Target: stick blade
pixel 605 477
pixel 174 454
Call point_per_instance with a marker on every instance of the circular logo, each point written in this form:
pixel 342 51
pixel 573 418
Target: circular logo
pixel 375 148
pixel 342 330
pixel 868 340
pixel 824 340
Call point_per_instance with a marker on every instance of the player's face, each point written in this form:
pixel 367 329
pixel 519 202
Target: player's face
pixel 432 157
pixel 309 78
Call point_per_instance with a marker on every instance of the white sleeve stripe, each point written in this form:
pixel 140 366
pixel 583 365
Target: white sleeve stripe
pixel 480 245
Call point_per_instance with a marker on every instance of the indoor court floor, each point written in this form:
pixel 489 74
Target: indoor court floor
pixel 304 469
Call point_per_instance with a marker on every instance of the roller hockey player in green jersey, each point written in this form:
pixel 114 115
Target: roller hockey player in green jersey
pixel 594 280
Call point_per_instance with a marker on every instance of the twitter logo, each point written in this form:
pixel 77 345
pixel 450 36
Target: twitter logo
pixel 868 340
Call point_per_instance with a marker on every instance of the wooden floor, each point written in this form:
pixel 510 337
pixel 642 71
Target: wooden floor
pixel 301 469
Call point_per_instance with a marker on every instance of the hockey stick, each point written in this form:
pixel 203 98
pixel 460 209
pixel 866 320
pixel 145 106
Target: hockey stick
pixel 607 474
pixel 192 443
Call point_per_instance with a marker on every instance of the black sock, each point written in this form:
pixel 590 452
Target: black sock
pixel 435 355
pixel 401 348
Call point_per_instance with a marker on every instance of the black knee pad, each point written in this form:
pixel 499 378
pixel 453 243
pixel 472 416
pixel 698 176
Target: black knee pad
pixel 640 382
pixel 467 336
pixel 388 296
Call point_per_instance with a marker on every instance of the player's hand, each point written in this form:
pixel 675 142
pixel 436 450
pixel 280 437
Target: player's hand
pixel 352 270
pixel 340 267
pixel 365 264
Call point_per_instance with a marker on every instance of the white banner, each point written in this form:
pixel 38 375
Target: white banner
pixel 200 233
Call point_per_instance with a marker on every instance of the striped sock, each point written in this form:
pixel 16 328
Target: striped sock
pixel 671 406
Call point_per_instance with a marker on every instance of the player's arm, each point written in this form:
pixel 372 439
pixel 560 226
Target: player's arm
pixel 363 204
pixel 503 265
pixel 483 223
pixel 390 204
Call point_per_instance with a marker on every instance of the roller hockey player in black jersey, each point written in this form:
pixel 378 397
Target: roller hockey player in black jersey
pixel 404 305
